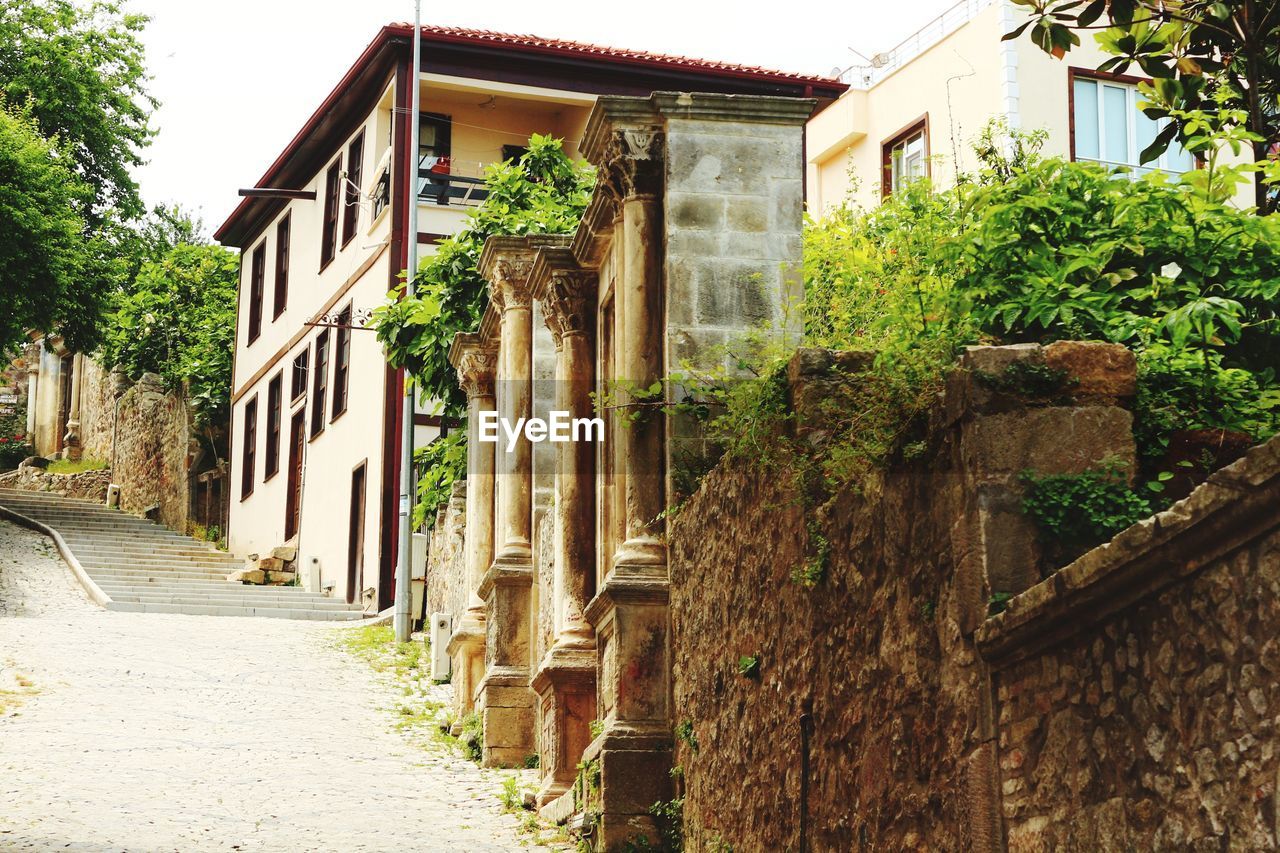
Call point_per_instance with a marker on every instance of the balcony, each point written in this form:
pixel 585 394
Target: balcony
pixel 440 182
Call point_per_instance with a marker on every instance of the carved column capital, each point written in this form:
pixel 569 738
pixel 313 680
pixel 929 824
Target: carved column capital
pixel 567 302
pixel 476 370
pixel 632 162
pixel 509 285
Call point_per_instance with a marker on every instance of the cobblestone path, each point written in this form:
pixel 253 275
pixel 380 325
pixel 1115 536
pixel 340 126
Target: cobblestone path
pixel 157 732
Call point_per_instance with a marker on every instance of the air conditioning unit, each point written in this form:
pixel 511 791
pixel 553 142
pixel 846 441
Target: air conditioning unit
pixel 441 630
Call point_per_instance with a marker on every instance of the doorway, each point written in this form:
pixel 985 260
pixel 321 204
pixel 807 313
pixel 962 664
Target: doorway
pixel 293 500
pixel 355 537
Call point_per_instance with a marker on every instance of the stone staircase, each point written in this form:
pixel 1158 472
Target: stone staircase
pixel 144 567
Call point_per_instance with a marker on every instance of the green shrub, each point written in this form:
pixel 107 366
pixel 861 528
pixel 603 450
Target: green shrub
pixel 1077 512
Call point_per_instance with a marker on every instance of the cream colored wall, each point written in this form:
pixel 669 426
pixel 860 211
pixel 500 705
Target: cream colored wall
pixel 257 523
pixel 988 78
pixel 956 83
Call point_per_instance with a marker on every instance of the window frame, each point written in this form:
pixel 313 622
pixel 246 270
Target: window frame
pixel 275 406
pixel 444 131
pixel 281 290
pixel 301 365
pixel 351 193
pixel 249 450
pixel 319 385
pixel 341 364
pixel 920 126
pixel 329 224
pixel 257 283
pixel 1131 82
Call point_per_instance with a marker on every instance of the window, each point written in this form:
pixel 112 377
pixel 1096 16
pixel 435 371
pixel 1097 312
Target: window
pixel 329 237
pixel 298 381
pixel 249 453
pixel 905 157
pixel 342 362
pixel 1108 127
pixel 257 272
pixel 513 152
pixel 282 268
pixel 351 205
pixel 275 390
pixel 320 384
pixel 434 143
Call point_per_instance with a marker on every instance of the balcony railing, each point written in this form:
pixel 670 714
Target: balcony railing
pixel 439 182
pixel 884 64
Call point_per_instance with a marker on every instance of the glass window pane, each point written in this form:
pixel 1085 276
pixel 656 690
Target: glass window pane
pixel 1178 159
pixel 1115 124
pixel 1146 130
pixel 1086 108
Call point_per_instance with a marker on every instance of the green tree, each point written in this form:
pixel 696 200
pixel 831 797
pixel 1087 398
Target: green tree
pixel 543 192
pixel 41 251
pixel 81 69
pixel 178 320
pixel 1206 58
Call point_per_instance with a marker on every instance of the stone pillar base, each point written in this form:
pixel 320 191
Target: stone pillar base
pixel 466 653
pixel 635 773
pixel 506 706
pixel 566 687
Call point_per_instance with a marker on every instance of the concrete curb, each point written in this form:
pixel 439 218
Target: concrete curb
pixel 95 592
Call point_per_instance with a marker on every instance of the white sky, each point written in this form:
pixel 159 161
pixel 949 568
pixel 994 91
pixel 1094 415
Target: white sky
pixel 237 78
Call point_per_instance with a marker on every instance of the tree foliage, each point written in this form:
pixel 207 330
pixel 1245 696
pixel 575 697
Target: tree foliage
pixel 543 192
pixel 178 320
pixel 80 68
pixel 42 256
pixel 1214 57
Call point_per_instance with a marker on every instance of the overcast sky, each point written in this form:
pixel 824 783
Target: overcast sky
pixel 237 78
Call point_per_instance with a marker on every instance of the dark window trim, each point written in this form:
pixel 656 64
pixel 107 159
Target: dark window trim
pixel 319 385
pixel 301 390
pixel 283 247
pixel 342 365
pixel 257 282
pixel 1075 71
pixel 351 194
pixel 329 225
pixel 249 452
pixel 886 152
pixel 275 409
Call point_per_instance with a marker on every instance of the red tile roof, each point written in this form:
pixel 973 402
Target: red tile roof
pixel 541 44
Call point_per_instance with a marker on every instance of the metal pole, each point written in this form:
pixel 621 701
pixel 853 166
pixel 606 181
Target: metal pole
pixel 403 620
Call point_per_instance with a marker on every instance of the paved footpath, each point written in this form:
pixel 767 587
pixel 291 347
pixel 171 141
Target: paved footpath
pixel 157 732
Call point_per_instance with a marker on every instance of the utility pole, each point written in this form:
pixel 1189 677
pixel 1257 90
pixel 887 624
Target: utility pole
pixel 402 620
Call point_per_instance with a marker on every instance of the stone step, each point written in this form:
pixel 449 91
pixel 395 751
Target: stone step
pixel 237 600
pixel 170 574
pixel 229 610
pixel 154 558
pixel 200 585
pixel 155 568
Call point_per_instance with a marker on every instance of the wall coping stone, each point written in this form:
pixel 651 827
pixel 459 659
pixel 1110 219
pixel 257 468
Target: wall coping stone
pixel 1233 507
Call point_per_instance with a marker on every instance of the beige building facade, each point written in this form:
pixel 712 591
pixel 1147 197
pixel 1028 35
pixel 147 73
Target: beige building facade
pixel 323 236
pixel 915 109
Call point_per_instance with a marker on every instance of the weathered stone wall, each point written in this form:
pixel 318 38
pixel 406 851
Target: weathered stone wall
pixel 1138 693
pixel 153 438
pixel 1128 701
pixel 90 485
pixel 446 560
pixel 97 411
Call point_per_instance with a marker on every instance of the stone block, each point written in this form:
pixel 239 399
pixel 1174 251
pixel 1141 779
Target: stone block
pixel 269 563
pixel 281 577
pixel 287 553
pixel 253 576
pixel 698 212
pixel 748 213
pixel 1098 369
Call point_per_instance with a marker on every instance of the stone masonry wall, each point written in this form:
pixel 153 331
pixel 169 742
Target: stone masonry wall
pixel 1128 701
pixel 446 560
pixel 1151 725
pixel 97 411
pixel 152 445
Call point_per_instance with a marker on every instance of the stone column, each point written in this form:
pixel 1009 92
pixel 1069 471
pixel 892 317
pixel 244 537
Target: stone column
pixel 476 363
pixel 505 700
pixel 566 678
pixel 630 611
pixel 71 440
pixel 33 379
